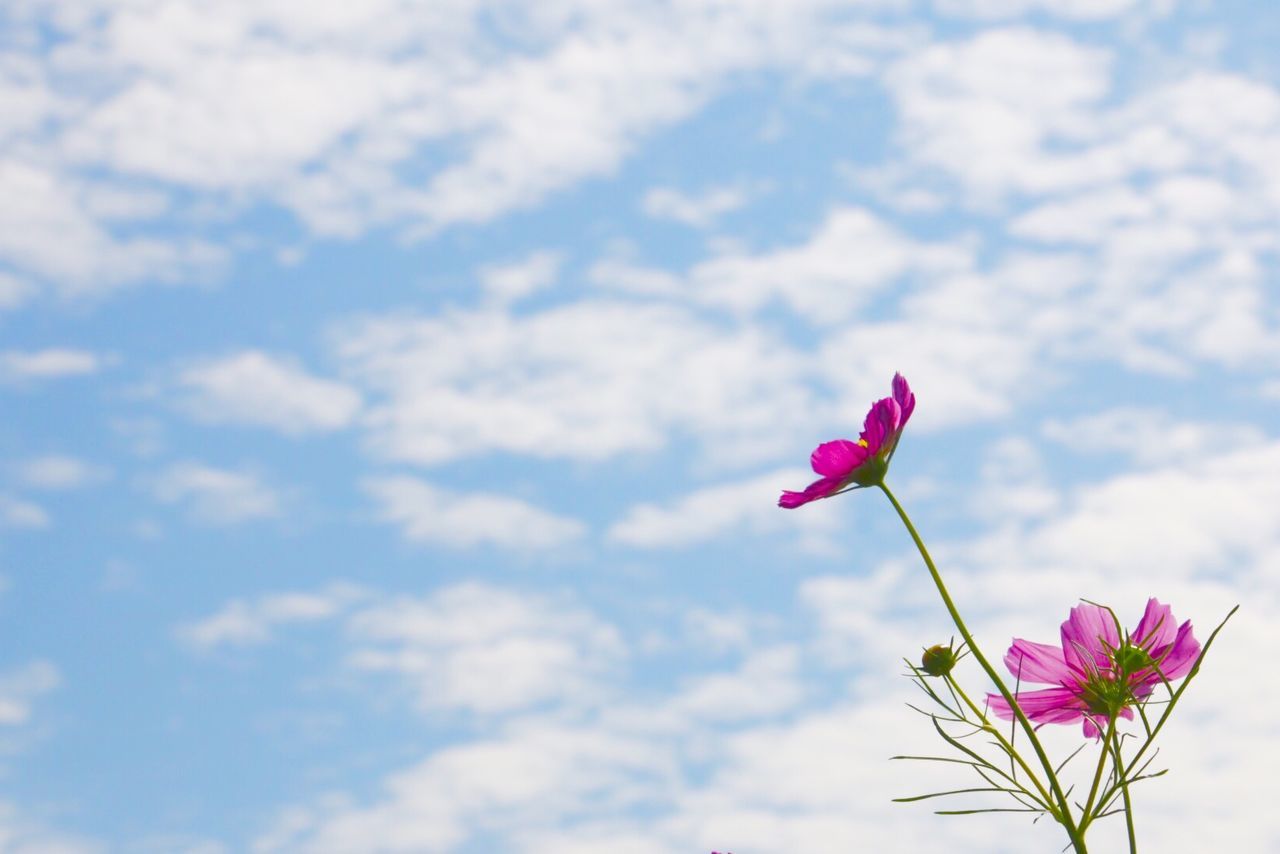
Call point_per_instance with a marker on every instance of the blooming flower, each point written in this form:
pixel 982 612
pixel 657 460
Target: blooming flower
pixel 844 463
pixel 1095 673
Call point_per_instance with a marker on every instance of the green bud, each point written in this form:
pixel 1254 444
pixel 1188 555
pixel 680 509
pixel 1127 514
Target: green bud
pixel 938 660
pixel 1130 659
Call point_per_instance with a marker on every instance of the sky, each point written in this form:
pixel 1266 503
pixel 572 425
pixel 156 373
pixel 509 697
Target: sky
pixel 396 396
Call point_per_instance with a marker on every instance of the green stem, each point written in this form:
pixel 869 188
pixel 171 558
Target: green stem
pixel 1109 791
pixel 1004 743
pixel 1087 816
pixel 1077 839
pixel 1121 774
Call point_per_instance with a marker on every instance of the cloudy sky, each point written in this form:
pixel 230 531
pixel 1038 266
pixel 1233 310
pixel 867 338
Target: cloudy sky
pixel 396 394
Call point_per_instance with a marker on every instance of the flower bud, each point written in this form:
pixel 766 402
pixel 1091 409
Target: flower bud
pixel 938 660
pixel 1130 658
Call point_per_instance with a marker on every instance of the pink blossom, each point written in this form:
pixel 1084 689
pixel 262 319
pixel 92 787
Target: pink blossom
pixel 845 464
pixel 1095 673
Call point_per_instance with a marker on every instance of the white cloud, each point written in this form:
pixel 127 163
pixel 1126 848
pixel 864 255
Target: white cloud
pixel 246 623
pixel 485 649
pixel 19 688
pixel 215 121
pixel 1190 529
pixel 1072 9
pixel 850 256
pixel 725 511
pixel 216 496
pixel 965 372
pixel 178 844
pixel 767 684
pixel 620 274
pixel 984 111
pixel 587 380
pixel 869 622
pixel 13 291
pixel 719 631
pixel 557 783
pixel 1013 482
pixel 58 472
pixel 22 834
pixel 696 210
pixel 474 647
pixel 197 108
pixel 1168 183
pixel 508 283
pixel 47 233
pixel 1191 514
pixel 531 775
pixel 255 388
pixel 427 514
pixel 53 363
pixel 1150 437
pixel 19 513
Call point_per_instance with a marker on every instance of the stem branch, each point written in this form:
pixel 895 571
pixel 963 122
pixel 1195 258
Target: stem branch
pixel 1064 809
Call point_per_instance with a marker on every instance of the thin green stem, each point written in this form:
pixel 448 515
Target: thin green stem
pixel 1109 792
pixel 1087 816
pixel 1068 822
pixel 1121 775
pixel 1008 748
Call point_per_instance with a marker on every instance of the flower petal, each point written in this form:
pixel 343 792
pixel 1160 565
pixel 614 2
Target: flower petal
pixel 818 489
pixel 1029 661
pixel 1046 706
pixel 837 459
pixel 1087 635
pixel 881 423
pixel 1179 658
pixel 1095 724
pixel 903 395
pixel 1157 627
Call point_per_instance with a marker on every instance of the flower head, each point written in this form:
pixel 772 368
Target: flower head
pixel 938 660
pixel 845 464
pixel 1096 674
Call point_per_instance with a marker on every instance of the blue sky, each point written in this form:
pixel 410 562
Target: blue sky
pixel 397 395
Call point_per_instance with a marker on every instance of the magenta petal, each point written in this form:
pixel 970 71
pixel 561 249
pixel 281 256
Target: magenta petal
pixel 882 422
pixel 1047 701
pixel 818 489
pixel 837 459
pixel 1157 628
pixel 1179 659
pixel 1087 635
pixel 1095 724
pixel 1029 661
pixel 902 394
pixel 791 500
pixel 999 707
pixel 1048 705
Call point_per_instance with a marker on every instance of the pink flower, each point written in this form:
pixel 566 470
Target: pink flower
pixel 845 464
pixel 1095 673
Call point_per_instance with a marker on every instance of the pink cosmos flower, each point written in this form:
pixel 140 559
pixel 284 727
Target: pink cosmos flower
pixel 845 464
pixel 1095 673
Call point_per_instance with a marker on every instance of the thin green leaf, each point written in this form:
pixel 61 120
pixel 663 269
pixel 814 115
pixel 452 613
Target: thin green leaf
pixel 1073 755
pixel 975 812
pixel 951 792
